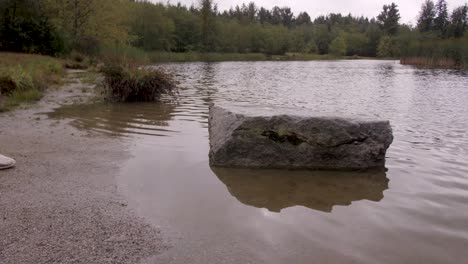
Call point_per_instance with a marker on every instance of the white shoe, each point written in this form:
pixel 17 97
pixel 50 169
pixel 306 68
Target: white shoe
pixel 6 162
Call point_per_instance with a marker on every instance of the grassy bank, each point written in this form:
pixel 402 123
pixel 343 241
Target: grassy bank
pixel 218 57
pixel 130 55
pixel 23 77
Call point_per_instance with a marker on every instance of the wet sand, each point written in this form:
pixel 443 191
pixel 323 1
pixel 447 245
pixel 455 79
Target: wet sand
pixel 61 203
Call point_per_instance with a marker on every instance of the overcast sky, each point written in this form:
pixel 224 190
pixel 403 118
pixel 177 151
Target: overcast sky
pixel 409 9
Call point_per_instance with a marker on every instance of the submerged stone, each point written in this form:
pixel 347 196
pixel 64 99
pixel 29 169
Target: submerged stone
pixel 284 138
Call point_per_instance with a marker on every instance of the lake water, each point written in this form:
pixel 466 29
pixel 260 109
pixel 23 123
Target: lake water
pixel 414 212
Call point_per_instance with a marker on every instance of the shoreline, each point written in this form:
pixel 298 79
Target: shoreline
pixel 61 204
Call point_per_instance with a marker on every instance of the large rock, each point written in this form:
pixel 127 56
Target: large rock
pixel 259 137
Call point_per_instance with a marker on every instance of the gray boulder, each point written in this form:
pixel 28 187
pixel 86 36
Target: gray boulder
pixel 284 138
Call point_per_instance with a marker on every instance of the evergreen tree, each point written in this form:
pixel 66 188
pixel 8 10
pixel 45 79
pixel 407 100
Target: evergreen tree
pixel 389 19
pixel 459 21
pixel 251 12
pixel 276 18
pixel 264 16
pixel 287 16
pixel 303 19
pixel 207 13
pixel 441 20
pixel 427 16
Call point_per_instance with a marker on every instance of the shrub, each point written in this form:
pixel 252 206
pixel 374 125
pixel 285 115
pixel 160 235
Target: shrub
pixel 77 57
pixel 136 85
pixel 7 85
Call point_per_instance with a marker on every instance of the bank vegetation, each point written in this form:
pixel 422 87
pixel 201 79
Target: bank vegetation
pixel 150 32
pixel 23 77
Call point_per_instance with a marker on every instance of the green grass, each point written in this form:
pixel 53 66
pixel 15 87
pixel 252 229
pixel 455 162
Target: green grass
pixel 23 78
pixel 131 56
pixel 158 56
pixel 123 55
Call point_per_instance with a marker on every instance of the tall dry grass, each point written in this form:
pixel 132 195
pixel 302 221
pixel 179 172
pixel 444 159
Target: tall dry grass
pixel 440 53
pixel 23 77
pixel 447 63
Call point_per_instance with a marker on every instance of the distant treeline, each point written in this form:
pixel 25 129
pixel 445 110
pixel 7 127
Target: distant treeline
pixel 89 26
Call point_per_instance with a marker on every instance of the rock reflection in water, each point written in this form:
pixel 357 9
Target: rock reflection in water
pixel 119 119
pixel 318 190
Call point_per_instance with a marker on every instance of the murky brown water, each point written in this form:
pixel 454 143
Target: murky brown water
pixel 416 212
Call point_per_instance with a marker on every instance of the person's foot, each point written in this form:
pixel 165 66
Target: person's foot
pixel 6 162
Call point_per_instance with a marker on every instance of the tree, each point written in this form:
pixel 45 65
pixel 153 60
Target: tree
pixel 373 34
pixel 25 27
pixel 323 38
pixel 356 43
pixel 311 48
pixel 89 24
pixel 153 29
pixel 389 19
pixel 264 16
pixel 388 47
pixel 303 19
pixel 459 21
pixel 251 12
pixel 208 31
pixel 338 46
pixel 187 32
pixel 287 16
pixel 426 16
pixel 441 20
pixel 276 39
pixel 276 18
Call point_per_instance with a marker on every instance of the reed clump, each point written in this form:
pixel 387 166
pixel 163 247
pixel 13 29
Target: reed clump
pixel 133 84
pixel 445 53
pixel 446 63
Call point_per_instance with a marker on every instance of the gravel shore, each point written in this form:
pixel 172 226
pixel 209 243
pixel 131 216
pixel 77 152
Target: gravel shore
pixel 61 203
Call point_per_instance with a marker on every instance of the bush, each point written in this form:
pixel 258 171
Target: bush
pixel 7 85
pixel 136 85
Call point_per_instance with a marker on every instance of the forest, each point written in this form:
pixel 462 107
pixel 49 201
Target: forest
pixel 94 27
